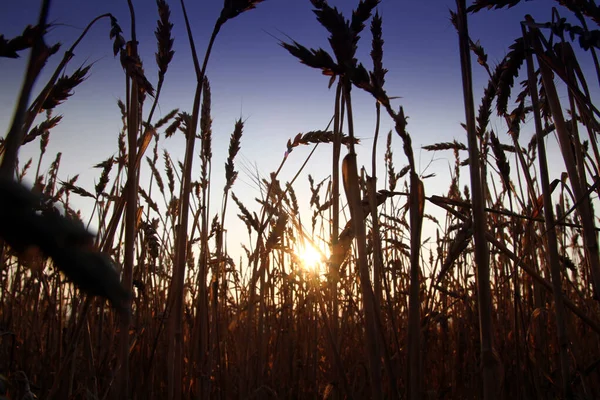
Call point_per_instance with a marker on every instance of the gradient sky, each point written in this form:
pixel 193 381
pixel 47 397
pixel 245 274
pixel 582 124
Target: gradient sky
pixel 253 77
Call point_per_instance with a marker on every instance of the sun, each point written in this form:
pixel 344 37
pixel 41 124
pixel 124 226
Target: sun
pixel 311 259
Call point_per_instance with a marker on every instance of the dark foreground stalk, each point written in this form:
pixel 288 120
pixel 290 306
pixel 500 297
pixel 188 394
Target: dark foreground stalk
pixel 484 295
pixel 133 113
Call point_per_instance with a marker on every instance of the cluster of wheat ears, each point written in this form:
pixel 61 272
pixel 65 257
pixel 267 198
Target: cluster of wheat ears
pixel 505 305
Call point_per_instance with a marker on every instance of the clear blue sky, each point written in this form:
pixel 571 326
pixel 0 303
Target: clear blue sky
pixel 253 77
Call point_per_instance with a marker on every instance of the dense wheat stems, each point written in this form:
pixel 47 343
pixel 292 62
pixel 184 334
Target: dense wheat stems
pixel 133 124
pixel 391 315
pixel 181 245
pixel 488 360
pixel 229 11
pixel 549 225
pixel 352 189
pixel 577 178
pixel 200 335
pixel 416 201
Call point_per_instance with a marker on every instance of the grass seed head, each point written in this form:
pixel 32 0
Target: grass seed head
pixel 165 51
pixel 63 88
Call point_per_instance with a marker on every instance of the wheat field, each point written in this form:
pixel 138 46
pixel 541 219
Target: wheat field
pixel 502 302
